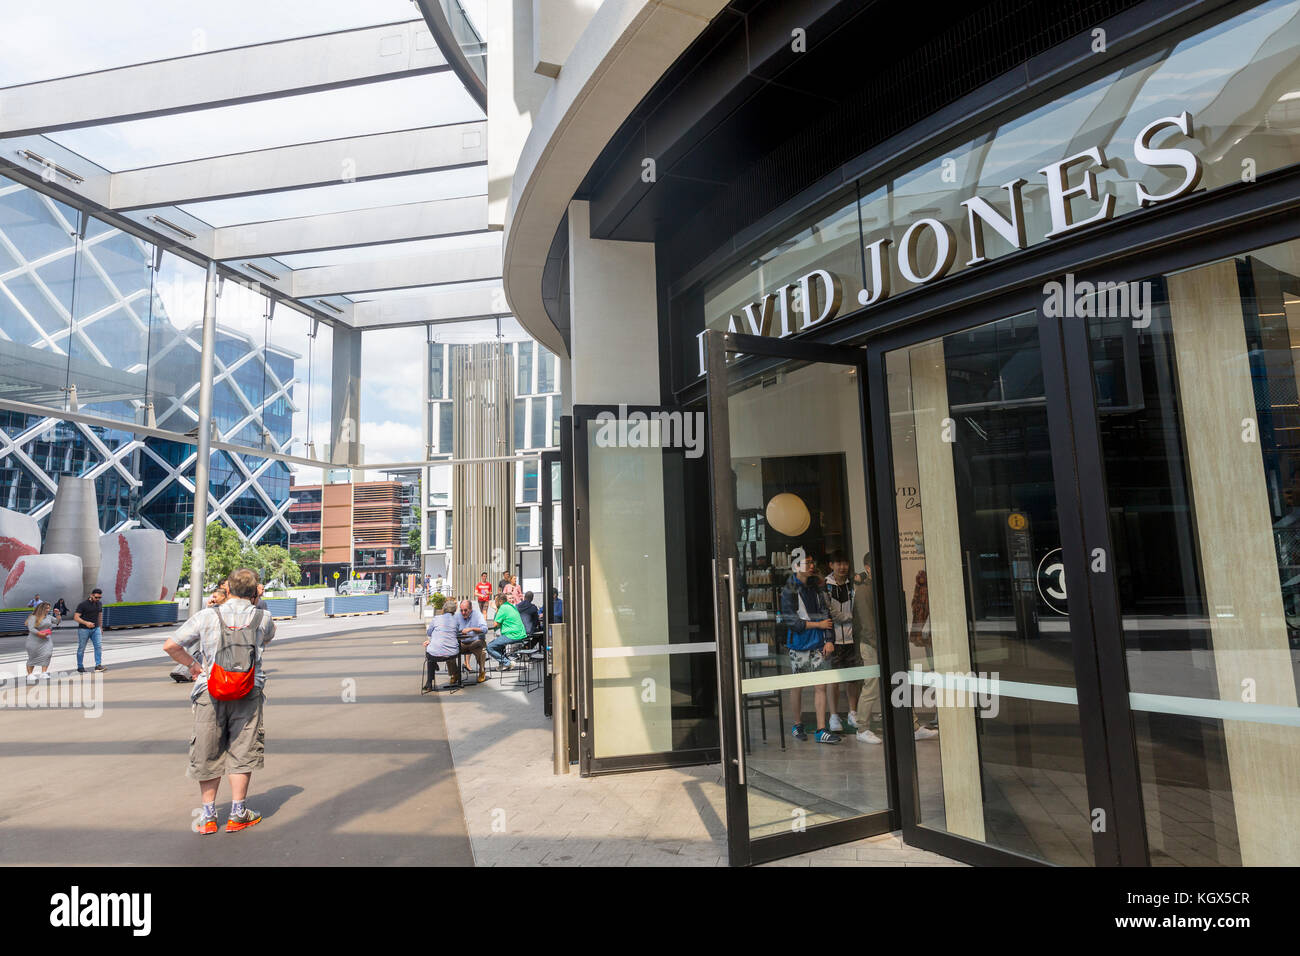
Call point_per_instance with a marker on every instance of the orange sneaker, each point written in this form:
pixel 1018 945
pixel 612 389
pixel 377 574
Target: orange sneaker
pixel 243 820
pixel 206 825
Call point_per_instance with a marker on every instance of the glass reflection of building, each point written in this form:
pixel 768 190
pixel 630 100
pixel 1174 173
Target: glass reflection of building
pixel 535 426
pixel 82 303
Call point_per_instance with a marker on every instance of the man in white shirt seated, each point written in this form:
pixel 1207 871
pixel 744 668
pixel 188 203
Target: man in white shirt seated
pixel 454 632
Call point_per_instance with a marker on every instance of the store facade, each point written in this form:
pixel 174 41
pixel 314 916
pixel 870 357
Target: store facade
pixel 1025 364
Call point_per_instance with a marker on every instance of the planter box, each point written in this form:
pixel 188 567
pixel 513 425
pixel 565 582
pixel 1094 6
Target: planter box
pixel 356 604
pixel 282 607
pixel 13 622
pixel 139 615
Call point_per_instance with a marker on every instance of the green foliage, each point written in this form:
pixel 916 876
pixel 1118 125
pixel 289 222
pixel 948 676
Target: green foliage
pixel 223 546
pixel 227 553
pixel 305 555
pixel 438 599
pixel 272 564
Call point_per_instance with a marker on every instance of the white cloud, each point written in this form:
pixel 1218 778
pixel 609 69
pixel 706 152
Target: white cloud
pixel 392 441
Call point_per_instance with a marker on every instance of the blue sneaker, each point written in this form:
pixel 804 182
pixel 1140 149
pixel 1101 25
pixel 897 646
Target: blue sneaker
pixel 824 736
pixel 798 732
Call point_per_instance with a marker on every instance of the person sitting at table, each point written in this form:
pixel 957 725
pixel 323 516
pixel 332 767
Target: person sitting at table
pixel 530 614
pixel 443 646
pixel 471 631
pixel 511 629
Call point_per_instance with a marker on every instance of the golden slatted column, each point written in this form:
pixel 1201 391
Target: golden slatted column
pixel 949 634
pixel 1235 531
pixel 483 493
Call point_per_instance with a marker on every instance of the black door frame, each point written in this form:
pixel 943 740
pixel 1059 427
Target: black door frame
pixel 1066 423
pixel 1192 231
pixel 569 611
pixel 580 617
pixel 760 354
pixel 1106 722
pixel 546 465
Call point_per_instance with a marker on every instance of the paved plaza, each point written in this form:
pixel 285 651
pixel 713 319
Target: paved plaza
pixel 361 770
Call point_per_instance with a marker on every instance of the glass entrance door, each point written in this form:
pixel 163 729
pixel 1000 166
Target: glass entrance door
pixel 805 748
pixel 644 647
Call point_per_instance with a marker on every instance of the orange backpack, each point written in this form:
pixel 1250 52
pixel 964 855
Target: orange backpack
pixel 234 665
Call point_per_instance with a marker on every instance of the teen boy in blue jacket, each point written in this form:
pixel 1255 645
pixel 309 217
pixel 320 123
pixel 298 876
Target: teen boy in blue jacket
pixel 809 642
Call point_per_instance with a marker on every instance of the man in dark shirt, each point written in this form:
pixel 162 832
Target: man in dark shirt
pixel 530 614
pixel 87 617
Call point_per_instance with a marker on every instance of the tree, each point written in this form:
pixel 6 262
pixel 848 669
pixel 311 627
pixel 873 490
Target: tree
pixel 223 546
pixel 278 565
pixel 413 540
pixel 305 555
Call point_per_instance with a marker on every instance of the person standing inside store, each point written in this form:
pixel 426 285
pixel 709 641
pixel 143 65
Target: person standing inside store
pixel 557 607
pixel 87 616
pixel 839 600
pixel 867 634
pixel 810 644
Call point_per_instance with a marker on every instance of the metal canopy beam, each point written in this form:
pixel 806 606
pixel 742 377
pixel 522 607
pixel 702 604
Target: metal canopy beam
pixel 221 78
pixel 325 163
pixel 437 305
pixel 359 227
pixel 399 272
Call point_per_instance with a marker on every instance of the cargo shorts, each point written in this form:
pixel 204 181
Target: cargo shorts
pixel 228 736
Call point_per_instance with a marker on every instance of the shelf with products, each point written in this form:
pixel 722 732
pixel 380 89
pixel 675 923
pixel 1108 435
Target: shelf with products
pixel 758 582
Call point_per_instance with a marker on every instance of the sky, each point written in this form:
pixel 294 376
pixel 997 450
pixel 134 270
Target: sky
pixel 392 394
pixel 70 37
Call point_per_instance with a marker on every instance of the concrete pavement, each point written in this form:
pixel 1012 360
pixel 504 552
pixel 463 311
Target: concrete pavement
pixel 358 770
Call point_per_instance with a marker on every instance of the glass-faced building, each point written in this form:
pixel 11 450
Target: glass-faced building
pixel 976 351
pixel 85 305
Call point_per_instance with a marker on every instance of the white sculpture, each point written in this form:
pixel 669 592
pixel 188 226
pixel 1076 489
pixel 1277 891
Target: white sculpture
pixel 131 565
pixel 20 535
pixel 172 569
pixel 73 526
pixel 52 576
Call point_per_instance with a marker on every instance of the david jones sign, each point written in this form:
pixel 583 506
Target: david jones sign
pixel 816 297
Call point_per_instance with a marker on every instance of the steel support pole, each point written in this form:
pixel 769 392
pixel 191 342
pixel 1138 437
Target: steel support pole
pixel 199 534
pixel 559 669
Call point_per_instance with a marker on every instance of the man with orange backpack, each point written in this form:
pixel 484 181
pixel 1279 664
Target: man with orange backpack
pixel 222 647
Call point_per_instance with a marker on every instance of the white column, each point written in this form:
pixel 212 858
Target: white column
pixel 199 532
pixel 514 94
pixel 557 24
pixel 613 317
pixel 614 349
